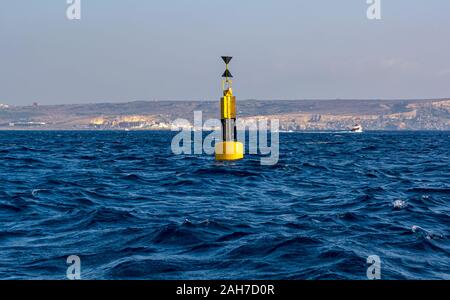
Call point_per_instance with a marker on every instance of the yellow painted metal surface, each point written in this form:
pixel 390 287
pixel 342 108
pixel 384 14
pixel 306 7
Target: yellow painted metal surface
pixel 229 151
pixel 228 105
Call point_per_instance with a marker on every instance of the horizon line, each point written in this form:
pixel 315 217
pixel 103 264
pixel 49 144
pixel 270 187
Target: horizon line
pixel 250 99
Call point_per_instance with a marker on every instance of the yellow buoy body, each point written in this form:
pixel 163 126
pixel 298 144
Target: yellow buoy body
pixel 229 151
pixel 229 148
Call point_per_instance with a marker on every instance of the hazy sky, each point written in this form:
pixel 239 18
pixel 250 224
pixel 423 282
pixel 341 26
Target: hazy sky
pixel 170 50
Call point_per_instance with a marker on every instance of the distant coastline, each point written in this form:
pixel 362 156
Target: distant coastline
pixel 295 115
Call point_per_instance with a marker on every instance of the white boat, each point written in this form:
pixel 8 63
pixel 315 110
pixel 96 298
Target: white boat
pixel 357 128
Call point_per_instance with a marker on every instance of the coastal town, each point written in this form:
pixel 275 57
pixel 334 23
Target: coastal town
pixel 298 115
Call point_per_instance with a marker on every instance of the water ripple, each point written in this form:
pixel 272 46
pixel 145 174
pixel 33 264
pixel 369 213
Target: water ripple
pixel 132 210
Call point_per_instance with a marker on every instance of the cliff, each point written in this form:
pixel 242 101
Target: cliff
pixel 293 115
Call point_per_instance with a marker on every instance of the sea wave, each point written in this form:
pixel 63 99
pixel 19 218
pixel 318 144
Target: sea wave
pixel 132 210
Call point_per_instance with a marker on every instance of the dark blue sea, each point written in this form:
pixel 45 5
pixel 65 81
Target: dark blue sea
pixel 130 209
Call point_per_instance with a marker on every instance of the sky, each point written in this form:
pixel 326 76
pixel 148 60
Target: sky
pixel 122 51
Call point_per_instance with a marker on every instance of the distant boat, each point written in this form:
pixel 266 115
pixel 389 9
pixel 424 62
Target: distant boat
pixel 357 128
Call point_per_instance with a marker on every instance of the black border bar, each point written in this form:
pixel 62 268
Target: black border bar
pixel 239 288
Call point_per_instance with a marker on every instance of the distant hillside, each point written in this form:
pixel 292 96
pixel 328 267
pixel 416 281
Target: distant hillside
pixel 294 115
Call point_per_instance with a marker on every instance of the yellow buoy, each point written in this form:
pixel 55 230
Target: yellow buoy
pixel 229 148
